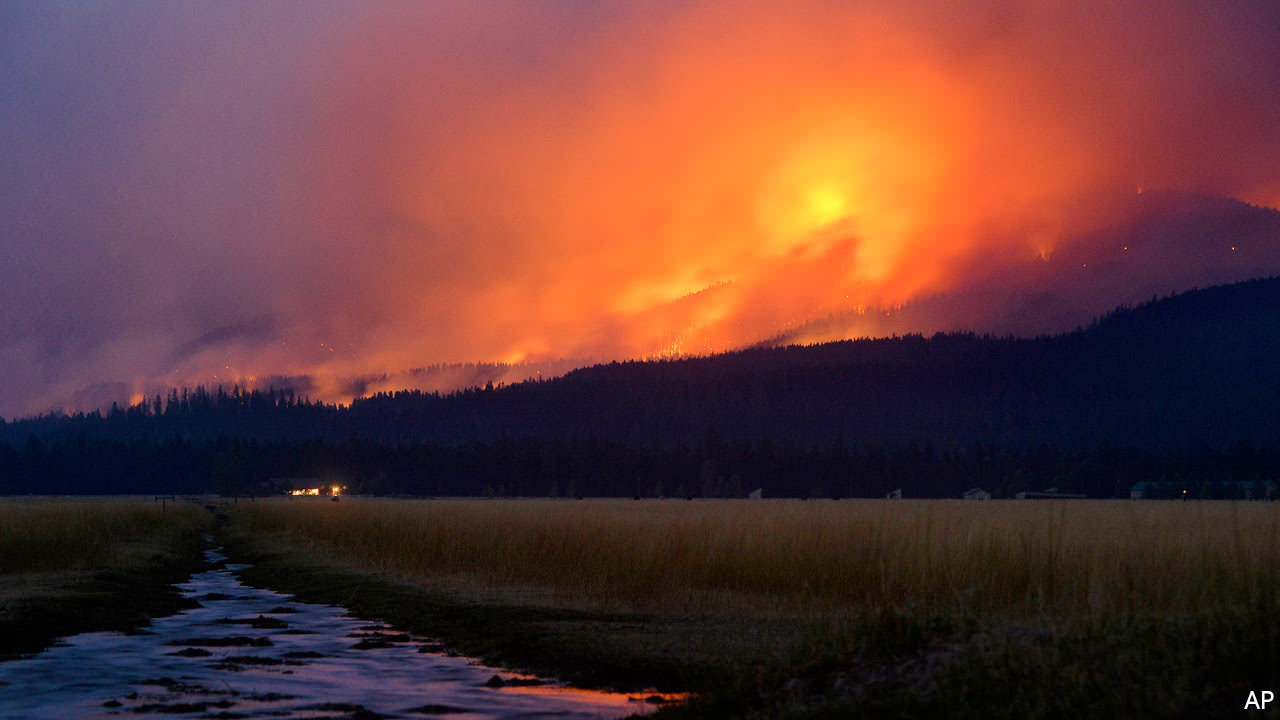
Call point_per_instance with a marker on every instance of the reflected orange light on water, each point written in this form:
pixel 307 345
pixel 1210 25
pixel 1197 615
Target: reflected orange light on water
pixel 643 703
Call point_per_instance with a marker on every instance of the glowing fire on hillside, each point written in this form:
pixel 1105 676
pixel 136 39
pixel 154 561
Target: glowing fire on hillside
pixel 652 180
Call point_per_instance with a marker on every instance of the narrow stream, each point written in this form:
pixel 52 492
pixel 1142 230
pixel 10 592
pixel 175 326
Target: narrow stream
pixel 251 653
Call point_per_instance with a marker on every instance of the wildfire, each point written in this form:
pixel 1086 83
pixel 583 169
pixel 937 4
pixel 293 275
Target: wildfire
pixel 596 201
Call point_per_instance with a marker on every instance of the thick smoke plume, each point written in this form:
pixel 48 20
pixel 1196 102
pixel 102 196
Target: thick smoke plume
pixel 229 192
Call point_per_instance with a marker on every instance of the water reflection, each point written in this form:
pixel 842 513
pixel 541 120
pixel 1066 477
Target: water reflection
pixel 251 653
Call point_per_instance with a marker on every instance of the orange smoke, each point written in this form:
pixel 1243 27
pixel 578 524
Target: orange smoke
pixel 823 159
pixel 457 182
pixel 697 180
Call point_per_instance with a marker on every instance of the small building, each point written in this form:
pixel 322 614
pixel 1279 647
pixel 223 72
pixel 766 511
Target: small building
pixel 1049 494
pixel 1169 490
pixel 894 494
pixel 976 494
pixel 305 486
pixel 756 494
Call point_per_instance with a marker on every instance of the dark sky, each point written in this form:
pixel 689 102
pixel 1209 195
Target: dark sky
pixel 203 192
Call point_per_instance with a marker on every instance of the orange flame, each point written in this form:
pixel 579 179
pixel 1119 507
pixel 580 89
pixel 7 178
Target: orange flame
pixel 692 179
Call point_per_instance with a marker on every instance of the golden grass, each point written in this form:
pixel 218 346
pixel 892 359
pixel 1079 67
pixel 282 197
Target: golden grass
pixel 1002 557
pixel 54 535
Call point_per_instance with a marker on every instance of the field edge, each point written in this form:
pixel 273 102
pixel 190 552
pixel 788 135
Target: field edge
pixel 124 598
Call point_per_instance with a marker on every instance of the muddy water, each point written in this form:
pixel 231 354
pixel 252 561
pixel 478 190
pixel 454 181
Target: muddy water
pixel 251 653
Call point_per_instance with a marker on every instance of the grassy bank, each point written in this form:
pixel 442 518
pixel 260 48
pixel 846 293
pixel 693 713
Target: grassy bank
pixel 588 647
pixel 71 566
pixel 811 608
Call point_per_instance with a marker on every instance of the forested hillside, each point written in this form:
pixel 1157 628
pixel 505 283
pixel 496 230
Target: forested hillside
pixel 1194 374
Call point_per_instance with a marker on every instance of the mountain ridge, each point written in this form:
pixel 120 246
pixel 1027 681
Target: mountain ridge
pixel 1189 367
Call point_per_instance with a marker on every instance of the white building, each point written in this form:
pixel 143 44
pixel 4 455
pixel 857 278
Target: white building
pixel 1049 494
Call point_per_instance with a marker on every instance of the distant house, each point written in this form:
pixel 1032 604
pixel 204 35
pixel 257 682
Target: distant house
pixel 1172 490
pixel 1049 494
pixel 305 486
pixel 976 494
pixel 894 494
pixel 756 494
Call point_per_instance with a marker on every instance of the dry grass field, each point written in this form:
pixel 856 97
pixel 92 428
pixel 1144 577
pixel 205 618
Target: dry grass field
pixel 987 559
pixel 816 609
pixel 55 534
pixel 73 565
pixel 770 609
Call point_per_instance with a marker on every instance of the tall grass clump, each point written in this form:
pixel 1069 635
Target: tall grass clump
pixel 56 535
pixel 989 559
